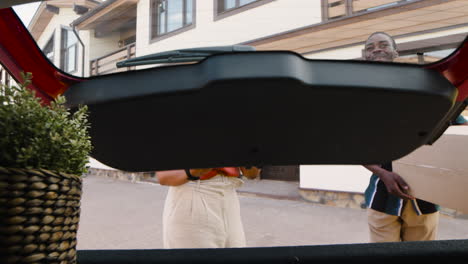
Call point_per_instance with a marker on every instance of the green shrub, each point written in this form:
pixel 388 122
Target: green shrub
pixel 41 137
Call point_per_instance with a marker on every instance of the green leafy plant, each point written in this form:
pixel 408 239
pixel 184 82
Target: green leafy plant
pixel 35 136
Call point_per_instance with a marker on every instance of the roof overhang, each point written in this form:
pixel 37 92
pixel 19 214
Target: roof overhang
pixel 10 3
pixel 109 15
pixel 40 21
pixel 47 9
pixel 402 19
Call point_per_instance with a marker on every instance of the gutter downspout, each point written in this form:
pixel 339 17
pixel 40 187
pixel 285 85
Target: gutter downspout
pixel 82 46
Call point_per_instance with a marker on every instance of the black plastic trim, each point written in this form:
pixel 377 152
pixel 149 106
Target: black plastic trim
pixel 445 251
pixel 262 108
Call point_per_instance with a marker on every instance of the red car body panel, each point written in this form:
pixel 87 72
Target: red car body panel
pixel 20 53
pixel 455 69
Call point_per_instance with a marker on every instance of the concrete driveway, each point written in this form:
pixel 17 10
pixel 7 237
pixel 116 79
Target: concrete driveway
pixel 124 215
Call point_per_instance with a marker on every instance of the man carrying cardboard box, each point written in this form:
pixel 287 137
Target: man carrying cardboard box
pixel 393 214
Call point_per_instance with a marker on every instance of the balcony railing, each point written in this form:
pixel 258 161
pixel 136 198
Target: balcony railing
pixel 5 77
pixel 333 9
pixel 106 63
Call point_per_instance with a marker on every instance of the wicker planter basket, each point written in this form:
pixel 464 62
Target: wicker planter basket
pixel 39 215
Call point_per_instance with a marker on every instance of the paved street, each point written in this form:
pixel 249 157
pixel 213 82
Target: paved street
pixel 124 215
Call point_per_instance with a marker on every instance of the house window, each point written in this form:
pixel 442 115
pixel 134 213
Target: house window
pixel 69 51
pixel 49 49
pixel 227 5
pixel 333 9
pixel 171 15
pixel 225 8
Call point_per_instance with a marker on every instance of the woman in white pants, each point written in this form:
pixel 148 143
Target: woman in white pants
pixel 202 208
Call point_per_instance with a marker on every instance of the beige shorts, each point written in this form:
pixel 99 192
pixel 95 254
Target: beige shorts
pixel 203 214
pixel 407 227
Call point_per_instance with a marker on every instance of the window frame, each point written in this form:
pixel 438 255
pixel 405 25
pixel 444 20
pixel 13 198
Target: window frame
pixel 64 49
pixel 218 15
pixel 7 79
pixel 349 11
pixel 50 41
pixel 154 37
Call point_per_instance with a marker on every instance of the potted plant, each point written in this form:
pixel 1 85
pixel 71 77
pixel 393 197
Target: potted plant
pixel 43 152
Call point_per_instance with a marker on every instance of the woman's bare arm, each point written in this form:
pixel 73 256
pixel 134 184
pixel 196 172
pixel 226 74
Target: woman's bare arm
pixel 172 177
pixel 178 177
pixel 251 172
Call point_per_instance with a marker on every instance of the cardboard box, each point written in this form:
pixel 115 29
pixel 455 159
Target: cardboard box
pixel 439 173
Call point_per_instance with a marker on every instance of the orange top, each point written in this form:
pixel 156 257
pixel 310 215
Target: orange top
pixel 226 171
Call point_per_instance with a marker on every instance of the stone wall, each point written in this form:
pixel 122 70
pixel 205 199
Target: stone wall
pixel 124 175
pixel 333 198
pixel 354 200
